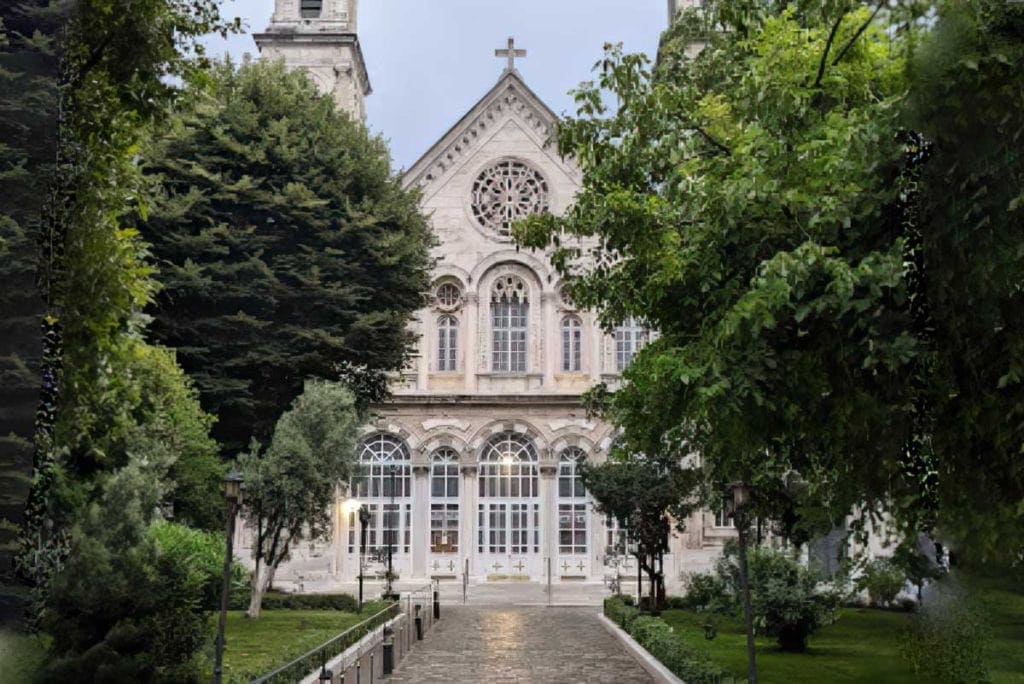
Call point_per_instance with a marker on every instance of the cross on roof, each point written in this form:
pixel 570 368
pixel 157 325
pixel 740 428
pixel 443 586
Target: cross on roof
pixel 511 52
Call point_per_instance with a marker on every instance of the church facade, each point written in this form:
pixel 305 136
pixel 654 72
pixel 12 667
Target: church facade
pixel 472 467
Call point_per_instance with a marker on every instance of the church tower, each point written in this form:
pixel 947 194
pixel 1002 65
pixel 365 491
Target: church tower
pixel 319 37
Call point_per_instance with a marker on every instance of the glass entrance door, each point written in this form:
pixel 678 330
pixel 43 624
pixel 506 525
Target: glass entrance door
pixel 508 540
pixel 508 512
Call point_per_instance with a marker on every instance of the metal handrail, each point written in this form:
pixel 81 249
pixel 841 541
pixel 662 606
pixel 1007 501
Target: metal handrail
pixel 307 663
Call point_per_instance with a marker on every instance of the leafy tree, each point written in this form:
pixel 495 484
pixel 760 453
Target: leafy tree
pixel 967 100
pixel 286 246
pixel 290 487
pixel 746 199
pixel 109 64
pixel 641 495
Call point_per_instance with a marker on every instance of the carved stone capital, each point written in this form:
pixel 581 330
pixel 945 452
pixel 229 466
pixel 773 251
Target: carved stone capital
pixel 420 468
pixel 469 469
pixel 548 469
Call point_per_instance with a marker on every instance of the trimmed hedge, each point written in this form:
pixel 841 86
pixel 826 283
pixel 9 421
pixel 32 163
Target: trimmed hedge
pixel 279 600
pixel 662 642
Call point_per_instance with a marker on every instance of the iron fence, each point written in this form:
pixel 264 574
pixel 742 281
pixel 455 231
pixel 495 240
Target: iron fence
pixel 311 661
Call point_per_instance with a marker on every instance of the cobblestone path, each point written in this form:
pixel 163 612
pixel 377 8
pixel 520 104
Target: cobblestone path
pixel 501 645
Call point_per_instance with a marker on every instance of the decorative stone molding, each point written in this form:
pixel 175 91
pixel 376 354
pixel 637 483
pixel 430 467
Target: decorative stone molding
pixel 469 469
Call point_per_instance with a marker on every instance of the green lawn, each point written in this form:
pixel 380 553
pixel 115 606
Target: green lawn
pixel 254 647
pixel 862 646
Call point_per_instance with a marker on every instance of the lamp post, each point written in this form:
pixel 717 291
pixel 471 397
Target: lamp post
pixel 740 500
pixel 392 471
pixel 364 520
pixel 232 486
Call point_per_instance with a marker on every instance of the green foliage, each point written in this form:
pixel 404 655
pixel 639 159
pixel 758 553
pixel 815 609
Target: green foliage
pixel 790 602
pixel 276 600
pixel 641 495
pixel 169 408
pixel 746 196
pixel 705 592
pixel 286 247
pixel 662 642
pixel 204 553
pixel 948 638
pixel 967 99
pixel 883 580
pixel 124 607
pixel 291 486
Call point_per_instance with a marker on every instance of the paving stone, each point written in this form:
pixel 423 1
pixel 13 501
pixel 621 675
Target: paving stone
pixel 506 644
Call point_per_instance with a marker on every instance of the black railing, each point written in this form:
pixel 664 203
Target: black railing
pixel 310 662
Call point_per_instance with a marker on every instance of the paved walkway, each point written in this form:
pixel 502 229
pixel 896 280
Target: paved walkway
pixel 507 644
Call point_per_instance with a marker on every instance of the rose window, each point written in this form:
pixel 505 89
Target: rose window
pixel 508 191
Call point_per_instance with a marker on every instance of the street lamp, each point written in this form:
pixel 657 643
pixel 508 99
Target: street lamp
pixel 392 471
pixel 232 487
pixel 364 520
pixel 740 501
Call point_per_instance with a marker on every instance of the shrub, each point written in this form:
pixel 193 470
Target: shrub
pixel 883 580
pixel 707 592
pixel 947 639
pixel 204 553
pixel 787 601
pixel 279 600
pixel 662 642
pixel 785 596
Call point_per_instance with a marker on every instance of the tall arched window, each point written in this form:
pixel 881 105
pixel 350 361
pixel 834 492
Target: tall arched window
pixel 509 317
pixel 447 343
pixel 630 338
pixel 383 484
pixel 572 503
pixel 572 344
pixel 508 512
pixel 444 501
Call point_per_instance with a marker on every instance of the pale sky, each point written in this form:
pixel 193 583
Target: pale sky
pixel 430 60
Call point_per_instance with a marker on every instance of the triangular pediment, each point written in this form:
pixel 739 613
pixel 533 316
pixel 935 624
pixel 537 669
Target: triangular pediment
pixel 509 102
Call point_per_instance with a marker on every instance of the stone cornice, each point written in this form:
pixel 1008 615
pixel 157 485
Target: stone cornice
pixel 321 37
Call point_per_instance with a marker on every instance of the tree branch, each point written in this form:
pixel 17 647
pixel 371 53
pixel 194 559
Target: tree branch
pixel 711 140
pixel 861 30
pixel 828 48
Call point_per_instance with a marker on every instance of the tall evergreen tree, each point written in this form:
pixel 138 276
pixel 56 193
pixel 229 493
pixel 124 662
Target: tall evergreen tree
pixel 285 245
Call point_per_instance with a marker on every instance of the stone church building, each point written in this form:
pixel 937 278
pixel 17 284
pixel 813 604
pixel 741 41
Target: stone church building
pixel 472 467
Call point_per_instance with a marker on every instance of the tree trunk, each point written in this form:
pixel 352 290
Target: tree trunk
pixel 260 582
pixel 748 612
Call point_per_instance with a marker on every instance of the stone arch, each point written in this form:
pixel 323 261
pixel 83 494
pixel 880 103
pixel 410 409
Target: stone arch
pixel 540 274
pixel 479 439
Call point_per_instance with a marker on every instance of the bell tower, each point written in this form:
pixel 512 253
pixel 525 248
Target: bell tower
pixel 319 37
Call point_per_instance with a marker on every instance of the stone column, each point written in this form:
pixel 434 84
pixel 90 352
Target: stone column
pixel 428 338
pixel 596 345
pixel 471 342
pixel 420 536
pixel 550 338
pixel 549 516
pixel 467 515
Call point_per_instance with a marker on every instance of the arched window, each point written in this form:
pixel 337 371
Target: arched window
pixel 310 9
pixel 508 514
pixel 383 484
pixel 508 467
pixel 572 503
pixel 572 344
pixel 447 343
pixel 509 317
pixel 630 338
pixel 444 501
